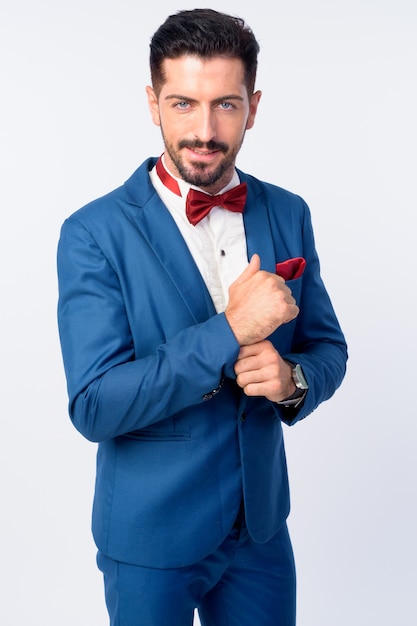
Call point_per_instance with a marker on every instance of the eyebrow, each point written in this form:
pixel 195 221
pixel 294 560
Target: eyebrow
pixel 193 100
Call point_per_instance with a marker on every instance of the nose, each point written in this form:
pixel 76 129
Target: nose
pixel 205 129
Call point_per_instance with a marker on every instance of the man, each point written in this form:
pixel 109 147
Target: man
pixel 189 334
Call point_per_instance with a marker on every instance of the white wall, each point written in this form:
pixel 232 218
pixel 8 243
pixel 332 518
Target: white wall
pixel 336 125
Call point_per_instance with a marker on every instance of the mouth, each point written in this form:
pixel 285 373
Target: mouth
pixel 202 156
pixel 202 152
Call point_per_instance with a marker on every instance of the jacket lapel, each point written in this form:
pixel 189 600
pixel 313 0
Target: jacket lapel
pixel 257 226
pixel 162 234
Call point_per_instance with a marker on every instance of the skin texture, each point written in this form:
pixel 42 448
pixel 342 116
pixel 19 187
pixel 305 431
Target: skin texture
pixel 204 110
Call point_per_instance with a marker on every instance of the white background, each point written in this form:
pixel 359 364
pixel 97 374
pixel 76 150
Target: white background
pixel 337 124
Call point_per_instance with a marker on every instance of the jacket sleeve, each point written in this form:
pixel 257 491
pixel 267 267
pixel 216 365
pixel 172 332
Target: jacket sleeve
pixel 112 391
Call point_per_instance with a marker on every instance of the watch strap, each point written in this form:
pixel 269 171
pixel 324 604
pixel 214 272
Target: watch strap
pixel 294 400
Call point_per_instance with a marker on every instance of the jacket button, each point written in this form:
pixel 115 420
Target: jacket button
pixel 209 396
pixel 243 416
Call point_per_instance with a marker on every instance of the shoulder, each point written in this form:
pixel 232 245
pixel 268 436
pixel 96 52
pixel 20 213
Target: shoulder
pixel 276 198
pixel 134 192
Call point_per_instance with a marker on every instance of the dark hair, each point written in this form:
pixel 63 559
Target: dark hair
pixel 204 33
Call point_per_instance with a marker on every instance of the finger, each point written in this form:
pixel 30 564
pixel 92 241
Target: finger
pixel 253 267
pixel 252 349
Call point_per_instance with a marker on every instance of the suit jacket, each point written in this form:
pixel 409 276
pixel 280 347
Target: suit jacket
pixel 149 367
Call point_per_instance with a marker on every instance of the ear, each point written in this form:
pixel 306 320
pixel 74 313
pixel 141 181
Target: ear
pixel 153 105
pixel 253 107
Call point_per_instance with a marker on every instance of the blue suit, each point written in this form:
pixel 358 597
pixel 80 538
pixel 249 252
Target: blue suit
pixel 149 366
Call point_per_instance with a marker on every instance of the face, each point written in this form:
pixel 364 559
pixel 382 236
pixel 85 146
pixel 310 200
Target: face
pixel 203 110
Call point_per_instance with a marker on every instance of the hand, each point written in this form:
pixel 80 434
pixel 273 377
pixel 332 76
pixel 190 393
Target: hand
pixel 261 371
pixel 259 302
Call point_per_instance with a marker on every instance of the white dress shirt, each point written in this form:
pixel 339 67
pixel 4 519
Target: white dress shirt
pixel 217 243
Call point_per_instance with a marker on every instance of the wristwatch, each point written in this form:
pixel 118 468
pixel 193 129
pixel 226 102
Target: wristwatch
pixel 295 399
pixel 298 376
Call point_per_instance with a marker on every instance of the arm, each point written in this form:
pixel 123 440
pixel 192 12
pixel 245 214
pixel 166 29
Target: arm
pixel 114 386
pixel 319 344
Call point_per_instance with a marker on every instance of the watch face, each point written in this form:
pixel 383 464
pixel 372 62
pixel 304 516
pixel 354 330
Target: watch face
pixel 299 378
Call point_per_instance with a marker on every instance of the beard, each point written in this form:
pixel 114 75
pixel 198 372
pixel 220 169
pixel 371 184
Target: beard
pixel 201 174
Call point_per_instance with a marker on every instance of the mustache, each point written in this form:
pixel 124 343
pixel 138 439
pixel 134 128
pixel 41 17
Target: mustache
pixel 200 145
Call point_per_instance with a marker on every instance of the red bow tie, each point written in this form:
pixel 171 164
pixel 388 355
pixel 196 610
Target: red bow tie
pixel 199 204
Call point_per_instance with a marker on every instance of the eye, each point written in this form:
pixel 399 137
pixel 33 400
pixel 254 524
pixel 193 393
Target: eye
pixel 182 106
pixel 226 106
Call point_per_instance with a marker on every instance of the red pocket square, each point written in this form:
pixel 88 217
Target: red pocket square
pixel 291 269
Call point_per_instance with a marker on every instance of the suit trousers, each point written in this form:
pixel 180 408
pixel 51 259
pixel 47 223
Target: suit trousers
pixel 242 583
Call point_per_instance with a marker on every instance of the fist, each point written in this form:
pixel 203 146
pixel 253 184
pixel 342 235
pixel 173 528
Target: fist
pixel 259 302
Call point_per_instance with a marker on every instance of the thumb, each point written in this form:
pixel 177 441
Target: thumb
pixel 253 267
